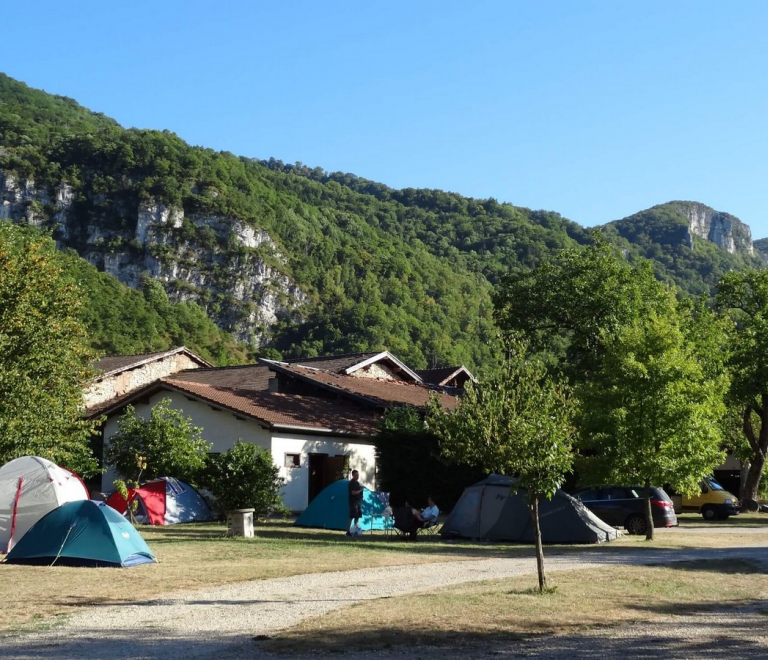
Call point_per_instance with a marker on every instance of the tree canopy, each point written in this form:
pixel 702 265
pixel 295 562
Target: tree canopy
pixel 518 423
pixel 650 414
pixel 44 356
pixel 743 297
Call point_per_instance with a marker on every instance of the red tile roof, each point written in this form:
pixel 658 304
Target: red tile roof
pixel 378 392
pixel 442 375
pixel 336 363
pixel 273 409
pixel 244 390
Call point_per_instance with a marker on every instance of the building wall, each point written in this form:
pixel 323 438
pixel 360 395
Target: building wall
pixel 376 370
pixel 127 381
pixel 222 429
pixel 295 491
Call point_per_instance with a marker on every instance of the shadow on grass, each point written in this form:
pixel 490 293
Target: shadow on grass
pixel 699 639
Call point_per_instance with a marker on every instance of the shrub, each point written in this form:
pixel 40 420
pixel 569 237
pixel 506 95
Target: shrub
pixel 246 477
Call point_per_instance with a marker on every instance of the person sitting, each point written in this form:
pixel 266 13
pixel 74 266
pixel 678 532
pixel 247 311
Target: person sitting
pixel 428 516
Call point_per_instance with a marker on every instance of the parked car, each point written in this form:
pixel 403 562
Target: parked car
pixel 623 506
pixel 713 502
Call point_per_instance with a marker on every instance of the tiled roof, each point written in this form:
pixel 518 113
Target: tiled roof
pixel 284 409
pixel 253 377
pixel 442 375
pixel 377 392
pixel 115 363
pixel 270 409
pixel 336 363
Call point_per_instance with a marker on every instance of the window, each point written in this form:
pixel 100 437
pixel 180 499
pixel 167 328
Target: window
pixel 616 493
pixel 292 460
pixel 587 495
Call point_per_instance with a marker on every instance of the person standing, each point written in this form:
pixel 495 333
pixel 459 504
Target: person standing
pixel 355 503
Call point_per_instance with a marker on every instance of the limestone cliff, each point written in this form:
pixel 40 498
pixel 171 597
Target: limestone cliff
pixel 231 268
pixel 722 229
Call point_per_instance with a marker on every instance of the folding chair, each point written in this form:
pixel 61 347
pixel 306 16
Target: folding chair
pixel 429 530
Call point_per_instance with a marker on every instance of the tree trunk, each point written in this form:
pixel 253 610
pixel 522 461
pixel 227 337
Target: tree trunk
pixel 648 512
pixel 534 507
pixel 759 445
pixel 743 472
pixel 751 488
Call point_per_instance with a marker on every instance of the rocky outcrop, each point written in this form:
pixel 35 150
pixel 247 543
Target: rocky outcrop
pixel 723 229
pixel 225 264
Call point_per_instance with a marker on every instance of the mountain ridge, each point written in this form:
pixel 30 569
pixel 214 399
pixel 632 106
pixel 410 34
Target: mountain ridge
pixel 300 261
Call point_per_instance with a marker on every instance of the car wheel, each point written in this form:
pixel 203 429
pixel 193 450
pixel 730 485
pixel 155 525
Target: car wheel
pixel 709 513
pixel 636 525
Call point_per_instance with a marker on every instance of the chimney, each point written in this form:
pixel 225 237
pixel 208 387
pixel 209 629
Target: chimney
pixel 273 385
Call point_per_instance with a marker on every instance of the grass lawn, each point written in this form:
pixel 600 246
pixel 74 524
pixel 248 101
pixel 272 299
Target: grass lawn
pixel 197 556
pixel 501 610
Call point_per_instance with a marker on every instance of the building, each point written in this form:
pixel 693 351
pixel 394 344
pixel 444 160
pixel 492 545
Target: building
pixel 316 416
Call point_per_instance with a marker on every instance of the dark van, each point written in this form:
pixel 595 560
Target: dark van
pixel 622 506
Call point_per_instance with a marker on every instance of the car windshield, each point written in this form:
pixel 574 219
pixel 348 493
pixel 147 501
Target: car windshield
pixel 713 484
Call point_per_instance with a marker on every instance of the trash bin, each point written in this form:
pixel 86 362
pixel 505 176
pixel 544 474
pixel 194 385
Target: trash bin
pixel 240 522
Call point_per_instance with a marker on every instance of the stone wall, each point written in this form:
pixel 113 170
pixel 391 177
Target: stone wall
pixel 111 387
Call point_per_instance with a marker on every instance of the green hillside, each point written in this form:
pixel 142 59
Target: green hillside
pixel 407 270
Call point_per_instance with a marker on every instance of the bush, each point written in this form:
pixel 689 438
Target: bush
pixel 167 444
pixel 245 477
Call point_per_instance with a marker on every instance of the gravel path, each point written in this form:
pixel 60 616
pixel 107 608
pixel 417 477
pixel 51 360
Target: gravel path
pixel 222 622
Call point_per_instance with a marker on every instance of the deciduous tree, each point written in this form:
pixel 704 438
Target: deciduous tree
pixel 743 298
pixel 44 356
pixel 650 414
pixel 166 444
pixel 517 423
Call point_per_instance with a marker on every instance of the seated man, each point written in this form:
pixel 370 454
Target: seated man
pixel 428 516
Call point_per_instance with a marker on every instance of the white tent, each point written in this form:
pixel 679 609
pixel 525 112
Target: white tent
pixel 30 487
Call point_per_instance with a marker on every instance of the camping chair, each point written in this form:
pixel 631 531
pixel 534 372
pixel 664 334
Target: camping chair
pixel 430 529
pixel 405 524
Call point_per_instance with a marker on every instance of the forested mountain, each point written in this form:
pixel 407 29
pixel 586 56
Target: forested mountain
pixel 294 260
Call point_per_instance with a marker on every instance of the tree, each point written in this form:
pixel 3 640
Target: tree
pixel 743 299
pixel 246 477
pixel 403 447
pixel 651 413
pixel 517 423
pixel 44 356
pixel 570 306
pixel 166 444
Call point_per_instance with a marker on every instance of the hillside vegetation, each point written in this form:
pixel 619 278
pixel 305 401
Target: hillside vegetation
pixel 406 270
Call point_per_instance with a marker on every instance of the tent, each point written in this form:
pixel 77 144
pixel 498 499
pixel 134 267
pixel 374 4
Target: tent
pixel 330 508
pixel 164 501
pixel 490 510
pixel 82 533
pixel 30 487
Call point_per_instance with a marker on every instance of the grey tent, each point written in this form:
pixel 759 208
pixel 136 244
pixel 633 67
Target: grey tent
pixel 490 510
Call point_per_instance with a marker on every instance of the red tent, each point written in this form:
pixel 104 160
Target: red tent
pixel 152 496
pixel 164 501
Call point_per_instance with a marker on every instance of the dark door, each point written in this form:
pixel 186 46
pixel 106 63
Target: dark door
pixel 335 467
pixel 316 475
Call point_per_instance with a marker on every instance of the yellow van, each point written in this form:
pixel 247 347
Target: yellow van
pixel 713 502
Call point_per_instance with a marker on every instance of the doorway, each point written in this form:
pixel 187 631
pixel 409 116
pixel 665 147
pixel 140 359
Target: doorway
pixel 324 470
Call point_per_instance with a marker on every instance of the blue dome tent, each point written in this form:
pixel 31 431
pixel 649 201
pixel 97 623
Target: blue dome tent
pixel 330 508
pixel 84 533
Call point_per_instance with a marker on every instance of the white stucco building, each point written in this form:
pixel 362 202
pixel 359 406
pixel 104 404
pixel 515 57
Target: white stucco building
pixel 317 416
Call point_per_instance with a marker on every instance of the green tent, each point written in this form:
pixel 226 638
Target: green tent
pixel 330 508
pixel 490 510
pixel 83 533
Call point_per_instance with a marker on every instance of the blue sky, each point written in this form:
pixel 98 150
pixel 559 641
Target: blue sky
pixel 594 109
